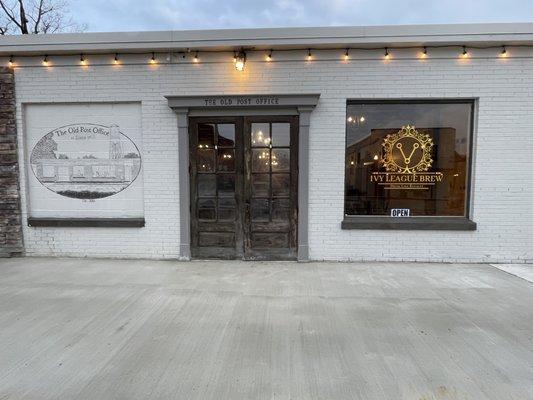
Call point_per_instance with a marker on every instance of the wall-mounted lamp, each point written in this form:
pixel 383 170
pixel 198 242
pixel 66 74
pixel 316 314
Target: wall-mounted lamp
pixel 240 61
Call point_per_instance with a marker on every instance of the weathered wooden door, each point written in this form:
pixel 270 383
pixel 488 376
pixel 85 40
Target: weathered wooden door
pixel 244 180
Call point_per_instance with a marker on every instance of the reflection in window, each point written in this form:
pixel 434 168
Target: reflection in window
pixel 408 155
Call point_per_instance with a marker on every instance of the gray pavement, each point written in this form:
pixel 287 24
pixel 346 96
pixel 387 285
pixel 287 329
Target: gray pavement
pixel 118 329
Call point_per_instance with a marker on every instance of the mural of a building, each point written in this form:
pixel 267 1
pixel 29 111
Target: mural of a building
pixel 86 161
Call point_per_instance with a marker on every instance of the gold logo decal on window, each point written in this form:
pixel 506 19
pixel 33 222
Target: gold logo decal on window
pixel 407 159
pixel 408 151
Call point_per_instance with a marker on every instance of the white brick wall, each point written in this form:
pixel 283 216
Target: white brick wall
pixel 503 166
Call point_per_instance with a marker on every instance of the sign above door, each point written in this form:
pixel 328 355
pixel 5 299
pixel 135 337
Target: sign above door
pixel 243 101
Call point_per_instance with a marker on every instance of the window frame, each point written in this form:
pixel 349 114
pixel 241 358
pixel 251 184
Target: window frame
pixel 456 223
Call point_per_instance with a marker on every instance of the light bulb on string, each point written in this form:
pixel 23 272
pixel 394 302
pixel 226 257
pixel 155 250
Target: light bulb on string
pixel 346 55
pixel 82 60
pixel 115 60
pixel 10 62
pixel 309 55
pixel 269 56
pixel 153 60
pixel 504 52
pixel 465 53
pixel 241 61
pixel 196 57
pixel 424 52
pixel 387 55
pixel 45 60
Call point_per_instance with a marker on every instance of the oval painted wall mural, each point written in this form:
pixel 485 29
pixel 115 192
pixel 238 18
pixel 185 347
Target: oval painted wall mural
pixel 86 161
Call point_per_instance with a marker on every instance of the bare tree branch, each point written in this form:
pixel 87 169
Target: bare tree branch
pixel 37 21
pixel 22 18
pixel 9 13
pixel 36 16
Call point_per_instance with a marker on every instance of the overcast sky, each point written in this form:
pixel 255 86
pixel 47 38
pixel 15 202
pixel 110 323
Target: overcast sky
pixel 124 15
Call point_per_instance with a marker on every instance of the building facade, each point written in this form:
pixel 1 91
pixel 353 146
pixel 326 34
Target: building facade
pixel 375 144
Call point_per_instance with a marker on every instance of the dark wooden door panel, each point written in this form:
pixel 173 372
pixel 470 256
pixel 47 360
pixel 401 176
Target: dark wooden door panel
pixel 270 187
pixel 216 187
pixel 244 186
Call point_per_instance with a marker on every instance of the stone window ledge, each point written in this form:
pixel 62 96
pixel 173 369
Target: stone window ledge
pixel 87 222
pixel 409 223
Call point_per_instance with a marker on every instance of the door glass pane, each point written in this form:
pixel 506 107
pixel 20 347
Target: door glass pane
pixel 281 184
pixel 261 185
pixel 206 209
pixel 206 160
pixel 281 134
pixel 226 185
pixel 260 134
pixel 206 185
pixel 260 160
pixel 280 209
pixel 226 208
pixel 280 160
pixel 226 160
pixel 206 136
pixel 260 209
pixel 226 135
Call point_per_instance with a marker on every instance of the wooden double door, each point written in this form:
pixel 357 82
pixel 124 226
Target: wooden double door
pixel 244 187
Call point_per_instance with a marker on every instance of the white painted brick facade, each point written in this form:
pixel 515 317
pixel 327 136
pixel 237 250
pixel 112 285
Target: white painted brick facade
pixel 502 190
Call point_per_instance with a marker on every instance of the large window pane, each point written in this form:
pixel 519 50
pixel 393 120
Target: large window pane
pixel 407 156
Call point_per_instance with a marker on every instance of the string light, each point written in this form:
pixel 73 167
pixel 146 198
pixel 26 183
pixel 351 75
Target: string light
pixel 504 52
pixel 238 55
pixel 241 61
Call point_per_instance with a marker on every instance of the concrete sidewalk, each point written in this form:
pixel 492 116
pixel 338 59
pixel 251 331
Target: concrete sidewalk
pixel 110 329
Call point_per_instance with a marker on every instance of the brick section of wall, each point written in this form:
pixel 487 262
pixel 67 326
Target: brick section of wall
pixel 10 222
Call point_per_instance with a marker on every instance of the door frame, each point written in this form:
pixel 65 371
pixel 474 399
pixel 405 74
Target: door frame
pixel 244 105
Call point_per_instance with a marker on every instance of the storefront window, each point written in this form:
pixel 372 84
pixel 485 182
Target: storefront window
pixel 407 158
